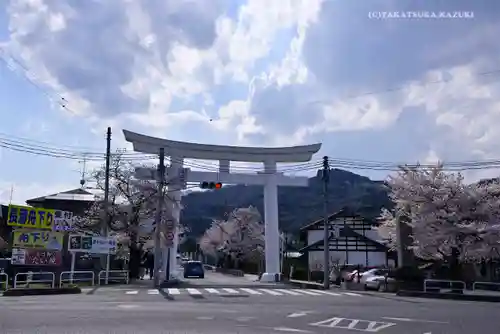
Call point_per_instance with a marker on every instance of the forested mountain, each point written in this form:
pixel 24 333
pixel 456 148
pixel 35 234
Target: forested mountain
pixel 297 206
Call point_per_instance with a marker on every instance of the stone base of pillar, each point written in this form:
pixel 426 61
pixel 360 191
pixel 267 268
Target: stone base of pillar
pixel 270 277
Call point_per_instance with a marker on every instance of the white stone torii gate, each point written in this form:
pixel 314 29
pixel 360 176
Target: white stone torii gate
pixel 269 178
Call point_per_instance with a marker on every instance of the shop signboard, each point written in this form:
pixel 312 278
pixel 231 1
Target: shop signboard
pixel 29 217
pixel 63 220
pixel 36 257
pixel 92 244
pixel 38 239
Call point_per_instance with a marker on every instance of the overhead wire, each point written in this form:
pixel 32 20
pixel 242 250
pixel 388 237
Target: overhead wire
pixel 21 145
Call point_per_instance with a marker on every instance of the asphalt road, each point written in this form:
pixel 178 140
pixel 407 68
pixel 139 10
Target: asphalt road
pixel 154 314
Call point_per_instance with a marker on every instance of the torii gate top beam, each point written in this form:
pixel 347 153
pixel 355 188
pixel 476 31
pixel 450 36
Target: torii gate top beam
pixel 152 145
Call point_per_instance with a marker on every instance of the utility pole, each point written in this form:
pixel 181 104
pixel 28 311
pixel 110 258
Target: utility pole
pixel 158 220
pixel 326 236
pixel 84 169
pixel 104 225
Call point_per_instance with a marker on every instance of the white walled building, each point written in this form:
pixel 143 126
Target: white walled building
pixel 357 242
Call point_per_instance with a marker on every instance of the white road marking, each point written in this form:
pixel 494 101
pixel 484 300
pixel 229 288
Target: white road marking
pixel 127 306
pixel 415 320
pixel 307 292
pixel 355 324
pixel 193 291
pixel 230 290
pixel 250 291
pixel 299 314
pixel 375 326
pixel 210 290
pixel 205 318
pixel 173 291
pixel 153 292
pixel 333 322
pixel 290 330
pixel 352 294
pixel 132 292
pixel 287 291
pixel 271 292
pixel 328 293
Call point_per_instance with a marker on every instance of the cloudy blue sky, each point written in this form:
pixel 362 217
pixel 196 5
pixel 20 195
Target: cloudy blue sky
pixel 258 73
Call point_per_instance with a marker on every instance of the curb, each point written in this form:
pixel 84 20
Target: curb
pixel 41 291
pixel 232 272
pixel 449 296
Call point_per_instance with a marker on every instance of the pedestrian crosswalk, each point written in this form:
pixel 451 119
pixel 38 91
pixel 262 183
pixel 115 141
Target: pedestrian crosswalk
pixel 239 291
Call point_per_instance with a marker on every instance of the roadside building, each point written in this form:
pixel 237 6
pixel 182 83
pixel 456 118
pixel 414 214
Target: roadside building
pixel 357 243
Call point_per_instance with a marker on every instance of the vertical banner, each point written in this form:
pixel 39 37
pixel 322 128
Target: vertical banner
pixel 63 220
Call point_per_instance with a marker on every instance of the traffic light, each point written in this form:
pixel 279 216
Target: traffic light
pixel 211 185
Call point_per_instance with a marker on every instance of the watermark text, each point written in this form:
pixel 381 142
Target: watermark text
pixel 418 15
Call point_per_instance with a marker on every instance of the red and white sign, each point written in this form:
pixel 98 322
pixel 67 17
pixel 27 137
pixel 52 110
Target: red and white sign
pixel 36 257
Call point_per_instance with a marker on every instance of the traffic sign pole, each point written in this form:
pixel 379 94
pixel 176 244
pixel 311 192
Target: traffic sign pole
pixel 72 266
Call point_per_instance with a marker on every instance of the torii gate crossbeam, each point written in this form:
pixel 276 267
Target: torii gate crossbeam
pixel 269 178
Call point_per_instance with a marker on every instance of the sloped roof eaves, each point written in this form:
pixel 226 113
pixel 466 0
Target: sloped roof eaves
pixel 350 232
pixel 77 191
pixel 343 213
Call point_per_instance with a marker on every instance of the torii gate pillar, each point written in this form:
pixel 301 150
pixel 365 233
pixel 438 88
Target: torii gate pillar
pixel 271 219
pixel 269 178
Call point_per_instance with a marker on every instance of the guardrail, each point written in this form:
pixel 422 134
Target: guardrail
pixel 113 276
pixel 496 286
pixel 30 278
pixel 436 285
pixel 71 279
pixel 4 283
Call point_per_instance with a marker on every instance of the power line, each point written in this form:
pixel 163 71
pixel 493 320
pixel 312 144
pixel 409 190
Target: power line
pixel 77 153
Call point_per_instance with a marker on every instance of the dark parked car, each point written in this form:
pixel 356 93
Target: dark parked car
pixel 194 269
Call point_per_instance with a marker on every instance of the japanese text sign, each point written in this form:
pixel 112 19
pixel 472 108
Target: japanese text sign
pixel 29 217
pixel 36 257
pixel 63 220
pixel 91 244
pixel 37 239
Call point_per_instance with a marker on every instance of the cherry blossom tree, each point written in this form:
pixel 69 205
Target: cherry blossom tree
pixel 450 220
pixel 130 210
pixel 241 235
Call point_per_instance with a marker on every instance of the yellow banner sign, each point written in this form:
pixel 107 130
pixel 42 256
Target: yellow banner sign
pixel 26 216
pixel 37 239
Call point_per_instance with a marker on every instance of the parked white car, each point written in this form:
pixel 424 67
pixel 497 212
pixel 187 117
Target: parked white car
pixel 377 282
pixel 372 273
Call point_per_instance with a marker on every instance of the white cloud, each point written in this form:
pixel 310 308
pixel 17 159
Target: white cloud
pixel 276 72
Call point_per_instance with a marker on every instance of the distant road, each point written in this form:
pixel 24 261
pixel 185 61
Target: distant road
pixel 213 279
